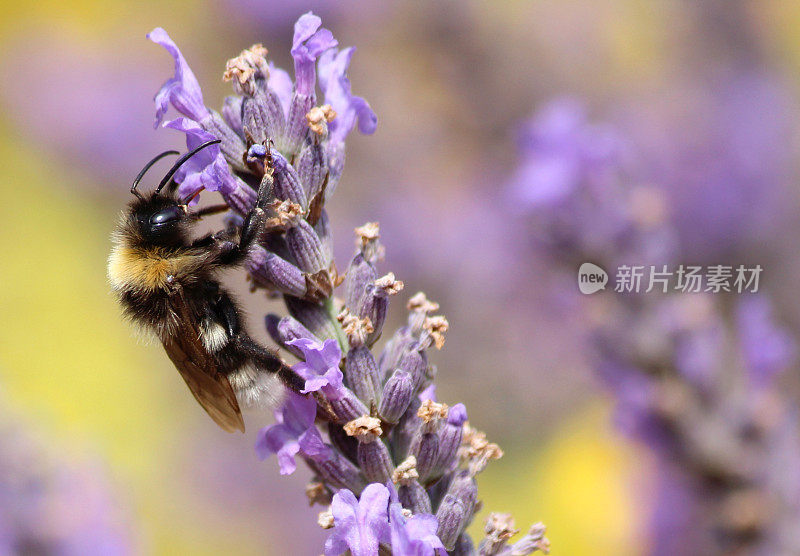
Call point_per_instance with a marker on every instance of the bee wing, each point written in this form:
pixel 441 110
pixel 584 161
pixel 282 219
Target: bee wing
pixel 210 388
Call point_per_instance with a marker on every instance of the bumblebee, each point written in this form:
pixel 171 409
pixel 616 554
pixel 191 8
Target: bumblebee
pixel 167 283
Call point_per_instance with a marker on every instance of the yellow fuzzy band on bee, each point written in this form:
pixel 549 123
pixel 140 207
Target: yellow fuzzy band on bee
pixel 145 269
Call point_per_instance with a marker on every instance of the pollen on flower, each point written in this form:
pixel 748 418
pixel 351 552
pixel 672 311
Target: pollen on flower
pixel 357 329
pixel 368 232
pixel 243 67
pixel 476 450
pixel 318 118
pixel 432 411
pixel 368 241
pixel 325 519
pixel 435 328
pixel 364 428
pixel 406 472
pixel 317 493
pixel 287 214
pixel 420 303
pixel 499 528
pixel 389 284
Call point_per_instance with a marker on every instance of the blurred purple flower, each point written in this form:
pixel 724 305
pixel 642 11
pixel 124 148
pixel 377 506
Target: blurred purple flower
pixel 294 419
pixel 359 525
pixel 87 111
pixel 767 349
pixel 49 505
pixel 321 366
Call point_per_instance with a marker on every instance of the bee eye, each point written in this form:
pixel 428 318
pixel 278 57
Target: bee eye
pixel 166 216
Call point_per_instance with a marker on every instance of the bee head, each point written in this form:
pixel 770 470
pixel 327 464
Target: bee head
pixel 160 218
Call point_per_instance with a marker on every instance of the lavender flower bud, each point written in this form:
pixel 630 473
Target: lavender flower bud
pixel 262 115
pixel 405 430
pixel 368 242
pixel 415 363
pixel 335 153
pixel 412 495
pixel 397 394
pixel 296 123
pixel 287 183
pixel 272 271
pixel 419 307
pixel 312 168
pixel 339 472
pixel 456 508
pixel 373 455
pixel 452 515
pixel 313 316
pixel 359 275
pixel 356 329
pixel 361 372
pixel 375 461
pixel 374 301
pixel 426 449
pixel 450 435
pixel 348 407
pixel 325 234
pixel 400 341
pixel 306 247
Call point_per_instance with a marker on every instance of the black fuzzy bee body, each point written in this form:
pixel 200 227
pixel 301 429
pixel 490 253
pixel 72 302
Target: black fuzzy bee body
pixel 167 283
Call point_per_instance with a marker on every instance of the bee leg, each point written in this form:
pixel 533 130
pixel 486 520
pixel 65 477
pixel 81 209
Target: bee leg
pixel 256 218
pixel 269 361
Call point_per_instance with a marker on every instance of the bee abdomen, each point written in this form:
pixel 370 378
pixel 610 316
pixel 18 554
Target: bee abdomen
pixel 213 335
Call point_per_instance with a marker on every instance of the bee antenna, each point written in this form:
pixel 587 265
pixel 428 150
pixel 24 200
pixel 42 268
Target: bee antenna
pixel 181 160
pixel 146 168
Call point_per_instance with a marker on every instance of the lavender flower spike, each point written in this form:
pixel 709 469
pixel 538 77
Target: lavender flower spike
pixel 365 424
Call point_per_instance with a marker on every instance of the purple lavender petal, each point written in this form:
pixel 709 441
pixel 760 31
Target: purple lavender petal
pixel 182 90
pixel 415 536
pixel 360 525
pixel 281 84
pixel 294 418
pixel 312 445
pixel 207 169
pixel 349 108
pixel 309 42
pixel 321 367
pixel 457 415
